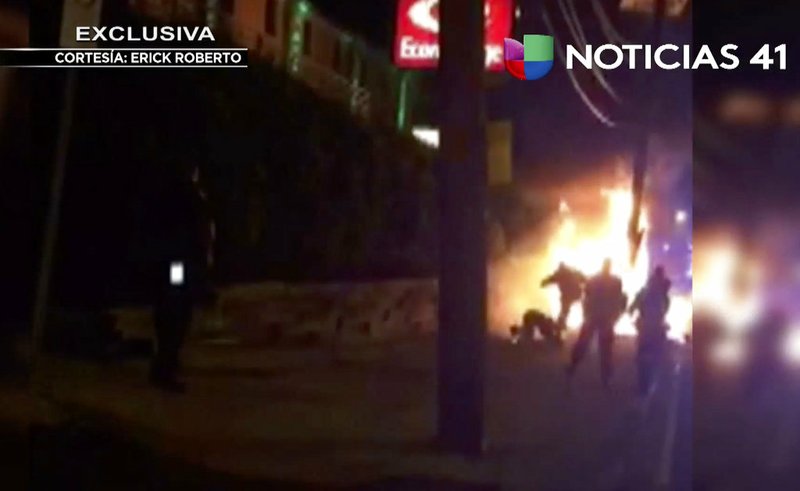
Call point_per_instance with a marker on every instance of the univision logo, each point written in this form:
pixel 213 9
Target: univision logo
pixel 531 60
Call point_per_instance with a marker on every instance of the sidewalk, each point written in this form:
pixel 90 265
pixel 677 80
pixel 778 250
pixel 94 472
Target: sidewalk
pixel 296 416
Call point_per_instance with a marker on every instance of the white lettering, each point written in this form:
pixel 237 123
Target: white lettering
pixel 632 49
pixel 82 34
pixel 99 33
pixel 168 33
pixel 618 54
pixel 705 58
pixel 151 57
pixel 146 33
pixel 685 57
pixel 88 57
pixel 585 60
pixel 206 58
pixel 727 53
pixel 120 36
pixel 206 35
pixel 416 51
pixel 411 50
pixel 660 60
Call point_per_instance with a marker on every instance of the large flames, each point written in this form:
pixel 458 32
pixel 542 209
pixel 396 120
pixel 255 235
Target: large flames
pixel 582 240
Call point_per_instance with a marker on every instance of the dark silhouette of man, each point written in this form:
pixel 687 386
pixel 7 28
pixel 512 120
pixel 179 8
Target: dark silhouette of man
pixel 652 304
pixel 570 287
pixel 185 238
pixel 532 321
pixel 603 304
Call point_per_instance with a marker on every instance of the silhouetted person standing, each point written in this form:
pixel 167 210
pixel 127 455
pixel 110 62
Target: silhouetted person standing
pixel 603 304
pixel 652 304
pixel 185 238
pixel 570 286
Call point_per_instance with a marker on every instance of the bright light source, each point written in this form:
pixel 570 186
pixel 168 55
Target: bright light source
pixel 728 283
pixel 792 346
pixel 728 352
pixel 518 12
pixel 428 136
pixel 667 247
pixel 681 217
pixel 176 274
pixel 581 238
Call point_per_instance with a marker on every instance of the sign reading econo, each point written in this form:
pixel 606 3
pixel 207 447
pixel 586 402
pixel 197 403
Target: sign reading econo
pixel 417 37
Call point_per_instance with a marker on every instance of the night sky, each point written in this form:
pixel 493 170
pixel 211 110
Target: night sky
pixel 739 171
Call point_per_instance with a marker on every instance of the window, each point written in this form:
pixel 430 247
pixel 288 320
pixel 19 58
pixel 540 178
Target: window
pixel 307 38
pixel 269 17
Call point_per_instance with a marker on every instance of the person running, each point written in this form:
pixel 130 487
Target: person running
pixel 652 304
pixel 603 304
pixel 570 286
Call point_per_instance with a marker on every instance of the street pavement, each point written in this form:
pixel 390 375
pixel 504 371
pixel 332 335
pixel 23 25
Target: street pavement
pixel 746 442
pixel 367 417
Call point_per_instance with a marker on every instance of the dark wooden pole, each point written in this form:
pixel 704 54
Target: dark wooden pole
pixel 646 97
pixel 462 253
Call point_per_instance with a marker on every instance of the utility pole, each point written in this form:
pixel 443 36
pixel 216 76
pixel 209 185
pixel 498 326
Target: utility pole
pixel 53 215
pixel 74 13
pixel 462 189
pixel 647 105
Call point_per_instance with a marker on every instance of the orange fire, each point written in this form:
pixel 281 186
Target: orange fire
pixel 582 241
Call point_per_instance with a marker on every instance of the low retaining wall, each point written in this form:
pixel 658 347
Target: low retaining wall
pixel 264 312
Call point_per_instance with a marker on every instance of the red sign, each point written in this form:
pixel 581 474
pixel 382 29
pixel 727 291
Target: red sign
pixel 417 38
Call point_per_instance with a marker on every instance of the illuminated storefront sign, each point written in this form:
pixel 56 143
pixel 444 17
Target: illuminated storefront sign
pixel 417 38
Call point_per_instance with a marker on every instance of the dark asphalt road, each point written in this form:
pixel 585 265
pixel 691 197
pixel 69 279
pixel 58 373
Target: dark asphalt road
pixel 688 435
pixel 746 442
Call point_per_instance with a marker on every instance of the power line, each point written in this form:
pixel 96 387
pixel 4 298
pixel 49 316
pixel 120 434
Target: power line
pixel 606 25
pixel 574 24
pixel 575 28
pixel 597 112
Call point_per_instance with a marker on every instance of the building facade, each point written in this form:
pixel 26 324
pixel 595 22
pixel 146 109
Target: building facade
pixel 293 36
